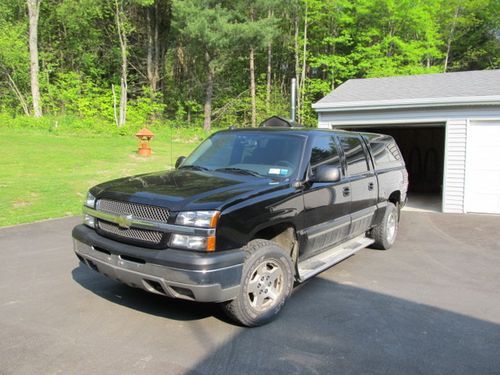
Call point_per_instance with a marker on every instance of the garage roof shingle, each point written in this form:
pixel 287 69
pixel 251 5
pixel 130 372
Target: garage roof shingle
pixel 472 86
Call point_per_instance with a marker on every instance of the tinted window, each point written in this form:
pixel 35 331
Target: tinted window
pixel 385 151
pixel 324 151
pixel 354 154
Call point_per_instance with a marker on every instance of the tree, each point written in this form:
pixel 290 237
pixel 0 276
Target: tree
pixel 158 16
pixel 256 29
pixel 14 57
pixel 225 62
pixel 122 37
pixel 209 28
pixel 33 14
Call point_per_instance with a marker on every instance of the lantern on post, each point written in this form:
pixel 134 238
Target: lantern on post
pixel 144 135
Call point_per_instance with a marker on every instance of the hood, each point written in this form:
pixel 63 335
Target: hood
pixel 180 190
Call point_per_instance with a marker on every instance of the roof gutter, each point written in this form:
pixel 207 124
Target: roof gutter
pixel 406 103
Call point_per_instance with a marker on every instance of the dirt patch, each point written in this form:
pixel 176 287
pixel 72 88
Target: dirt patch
pixel 20 203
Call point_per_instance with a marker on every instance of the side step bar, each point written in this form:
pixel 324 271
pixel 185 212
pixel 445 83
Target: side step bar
pixel 318 263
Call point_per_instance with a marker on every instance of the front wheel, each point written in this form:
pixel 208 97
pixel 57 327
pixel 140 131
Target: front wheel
pixel 386 231
pixel 266 282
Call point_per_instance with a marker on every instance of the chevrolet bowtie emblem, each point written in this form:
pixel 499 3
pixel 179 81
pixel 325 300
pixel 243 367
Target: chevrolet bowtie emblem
pixel 124 221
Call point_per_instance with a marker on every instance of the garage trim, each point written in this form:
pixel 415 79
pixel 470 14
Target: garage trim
pixel 454 165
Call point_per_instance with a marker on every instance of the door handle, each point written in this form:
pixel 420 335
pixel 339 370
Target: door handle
pixel 346 191
pixel 370 186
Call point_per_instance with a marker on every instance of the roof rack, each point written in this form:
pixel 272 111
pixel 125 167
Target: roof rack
pixel 279 122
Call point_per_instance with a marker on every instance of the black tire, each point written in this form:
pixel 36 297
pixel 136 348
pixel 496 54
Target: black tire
pixel 383 235
pixel 266 282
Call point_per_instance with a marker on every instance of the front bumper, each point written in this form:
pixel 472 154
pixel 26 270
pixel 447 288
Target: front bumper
pixel 203 277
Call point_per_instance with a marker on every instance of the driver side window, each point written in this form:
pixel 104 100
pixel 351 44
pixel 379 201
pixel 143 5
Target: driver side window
pixel 324 152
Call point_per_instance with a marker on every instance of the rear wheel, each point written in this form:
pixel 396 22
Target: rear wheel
pixel 266 282
pixel 386 231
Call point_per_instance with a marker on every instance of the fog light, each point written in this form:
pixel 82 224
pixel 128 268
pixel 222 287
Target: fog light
pixel 89 220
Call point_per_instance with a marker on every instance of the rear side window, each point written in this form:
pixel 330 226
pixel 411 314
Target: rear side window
pixel 385 152
pixel 354 154
pixel 324 151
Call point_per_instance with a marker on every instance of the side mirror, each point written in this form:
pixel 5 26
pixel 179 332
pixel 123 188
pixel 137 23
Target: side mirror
pixel 179 161
pixel 327 173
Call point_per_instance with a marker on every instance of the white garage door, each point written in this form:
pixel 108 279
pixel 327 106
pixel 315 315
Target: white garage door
pixel 482 189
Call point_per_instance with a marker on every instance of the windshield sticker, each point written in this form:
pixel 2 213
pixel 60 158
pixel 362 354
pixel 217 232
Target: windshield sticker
pixel 278 171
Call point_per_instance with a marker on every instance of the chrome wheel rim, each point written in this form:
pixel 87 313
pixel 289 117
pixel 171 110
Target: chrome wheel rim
pixel 265 285
pixel 391 227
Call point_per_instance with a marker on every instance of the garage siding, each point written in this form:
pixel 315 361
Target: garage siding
pixel 454 169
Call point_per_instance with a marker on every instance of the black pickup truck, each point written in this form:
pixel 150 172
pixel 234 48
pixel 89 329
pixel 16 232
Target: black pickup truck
pixel 249 213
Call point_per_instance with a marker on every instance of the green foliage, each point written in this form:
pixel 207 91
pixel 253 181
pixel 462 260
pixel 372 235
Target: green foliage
pixel 80 54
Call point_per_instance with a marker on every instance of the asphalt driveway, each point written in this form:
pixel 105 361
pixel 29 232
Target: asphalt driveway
pixel 429 305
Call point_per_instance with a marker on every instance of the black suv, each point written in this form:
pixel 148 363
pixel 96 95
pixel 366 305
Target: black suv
pixel 247 214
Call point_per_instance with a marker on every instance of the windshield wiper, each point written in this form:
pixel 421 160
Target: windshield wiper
pixel 195 167
pixel 240 171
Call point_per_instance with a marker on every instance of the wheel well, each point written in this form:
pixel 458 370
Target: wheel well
pixel 282 234
pixel 395 197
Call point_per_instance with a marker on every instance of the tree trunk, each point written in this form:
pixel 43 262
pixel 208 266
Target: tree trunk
pixel 269 70
pixel 207 122
pixel 302 87
pixel 153 48
pixel 114 105
pixel 296 50
pixel 150 48
pixel 450 38
pixel 18 93
pixel 269 76
pixel 252 87
pixel 123 81
pixel 33 13
pixel 158 49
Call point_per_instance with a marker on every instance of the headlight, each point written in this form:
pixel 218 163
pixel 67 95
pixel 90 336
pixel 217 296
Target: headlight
pixel 90 200
pixel 192 242
pixel 204 219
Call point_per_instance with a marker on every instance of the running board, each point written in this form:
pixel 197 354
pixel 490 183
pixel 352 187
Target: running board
pixel 318 263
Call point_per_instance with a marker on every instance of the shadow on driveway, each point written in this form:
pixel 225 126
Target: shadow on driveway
pixel 327 327
pixel 143 301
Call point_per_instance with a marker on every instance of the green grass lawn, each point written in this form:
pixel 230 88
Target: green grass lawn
pixel 46 176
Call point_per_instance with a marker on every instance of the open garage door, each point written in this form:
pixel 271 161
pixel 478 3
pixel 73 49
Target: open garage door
pixel 482 178
pixel 423 148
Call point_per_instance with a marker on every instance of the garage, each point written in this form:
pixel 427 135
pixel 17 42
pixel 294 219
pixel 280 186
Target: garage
pixel 422 147
pixel 446 125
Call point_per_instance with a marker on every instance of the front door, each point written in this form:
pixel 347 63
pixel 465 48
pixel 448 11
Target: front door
pixel 327 204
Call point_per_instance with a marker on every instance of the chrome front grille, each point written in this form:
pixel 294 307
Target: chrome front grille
pixel 149 236
pixel 140 211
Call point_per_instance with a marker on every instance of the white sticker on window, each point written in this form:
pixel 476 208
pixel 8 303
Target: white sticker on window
pixel 274 171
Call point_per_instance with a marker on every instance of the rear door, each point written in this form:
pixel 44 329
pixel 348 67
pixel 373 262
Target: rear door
pixel 363 183
pixel 327 204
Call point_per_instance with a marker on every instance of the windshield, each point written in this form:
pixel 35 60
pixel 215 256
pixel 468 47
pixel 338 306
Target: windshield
pixel 253 153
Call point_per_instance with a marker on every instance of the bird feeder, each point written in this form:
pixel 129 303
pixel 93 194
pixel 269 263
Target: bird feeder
pixel 144 135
